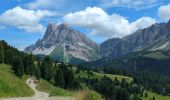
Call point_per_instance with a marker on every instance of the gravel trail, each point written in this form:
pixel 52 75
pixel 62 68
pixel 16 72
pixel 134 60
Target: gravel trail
pixel 38 95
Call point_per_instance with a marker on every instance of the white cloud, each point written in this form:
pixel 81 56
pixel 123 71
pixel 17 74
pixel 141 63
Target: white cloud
pixel 164 12
pixel 108 26
pixel 27 20
pixel 136 4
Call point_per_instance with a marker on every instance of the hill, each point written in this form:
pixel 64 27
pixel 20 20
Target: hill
pixel 157 96
pixel 158 62
pixel 11 85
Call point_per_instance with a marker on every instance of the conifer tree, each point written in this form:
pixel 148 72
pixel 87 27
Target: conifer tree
pixel 1 53
pixel 9 56
pixel 59 78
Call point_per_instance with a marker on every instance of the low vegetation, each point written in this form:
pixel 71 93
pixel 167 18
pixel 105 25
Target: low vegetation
pixel 152 95
pixel 88 95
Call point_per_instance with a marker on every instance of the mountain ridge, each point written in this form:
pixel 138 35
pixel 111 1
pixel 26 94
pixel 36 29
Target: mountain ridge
pixel 155 37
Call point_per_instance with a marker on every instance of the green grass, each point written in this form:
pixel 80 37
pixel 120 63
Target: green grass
pixel 156 55
pixel 54 91
pixel 157 96
pixel 95 96
pixel 100 75
pixel 119 77
pixel 11 85
pixel 87 94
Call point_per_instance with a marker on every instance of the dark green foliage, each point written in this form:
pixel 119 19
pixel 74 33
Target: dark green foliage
pixel 156 82
pixel 37 73
pixel 32 69
pixel 153 98
pixel 135 97
pixel 17 66
pixel 1 53
pixel 70 82
pixel 46 68
pixel 59 78
pixel 132 64
pixel 146 94
pixel 9 56
pixel 29 64
pixel 110 90
pixel 122 94
pixel 105 87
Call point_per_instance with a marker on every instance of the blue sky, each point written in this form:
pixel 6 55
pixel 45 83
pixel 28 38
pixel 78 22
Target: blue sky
pixel 23 22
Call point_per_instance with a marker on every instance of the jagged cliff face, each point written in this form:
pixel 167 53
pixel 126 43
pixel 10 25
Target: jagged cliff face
pixel 66 44
pixel 155 37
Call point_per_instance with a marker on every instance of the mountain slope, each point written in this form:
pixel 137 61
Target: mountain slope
pixel 155 37
pixel 65 44
pixel 11 85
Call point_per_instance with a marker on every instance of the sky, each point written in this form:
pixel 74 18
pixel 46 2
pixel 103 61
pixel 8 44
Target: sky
pixel 23 22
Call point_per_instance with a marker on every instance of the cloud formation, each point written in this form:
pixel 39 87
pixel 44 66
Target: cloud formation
pixel 28 20
pixel 102 24
pixel 136 4
pixel 164 12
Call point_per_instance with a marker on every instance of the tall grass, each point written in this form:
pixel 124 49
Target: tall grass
pixel 87 95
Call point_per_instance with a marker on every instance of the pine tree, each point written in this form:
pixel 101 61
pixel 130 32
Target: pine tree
pixel 20 68
pixel 69 79
pixel 146 94
pixel 59 78
pixel 1 53
pixel 46 68
pixel 32 68
pixel 153 98
pixel 9 57
pixel 28 63
pixel 37 74
pixel 17 66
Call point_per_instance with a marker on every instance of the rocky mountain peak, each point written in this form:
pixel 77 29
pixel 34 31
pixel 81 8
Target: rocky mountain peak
pixel 63 42
pixel 50 28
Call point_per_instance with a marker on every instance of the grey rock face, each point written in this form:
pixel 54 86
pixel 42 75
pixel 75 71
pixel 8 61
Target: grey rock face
pixel 156 37
pixel 65 42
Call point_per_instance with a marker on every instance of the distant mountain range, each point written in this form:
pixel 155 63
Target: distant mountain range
pixel 66 44
pixel 153 38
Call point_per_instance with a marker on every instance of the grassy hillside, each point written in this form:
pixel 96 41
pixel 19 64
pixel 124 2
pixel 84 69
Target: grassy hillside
pixel 157 96
pixel 11 85
pixel 119 77
pixel 79 95
pixel 100 75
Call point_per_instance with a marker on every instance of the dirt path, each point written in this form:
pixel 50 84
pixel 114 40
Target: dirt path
pixel 38 95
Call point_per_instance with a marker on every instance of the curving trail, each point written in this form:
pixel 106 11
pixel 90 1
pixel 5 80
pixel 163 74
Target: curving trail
pixel 38 95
